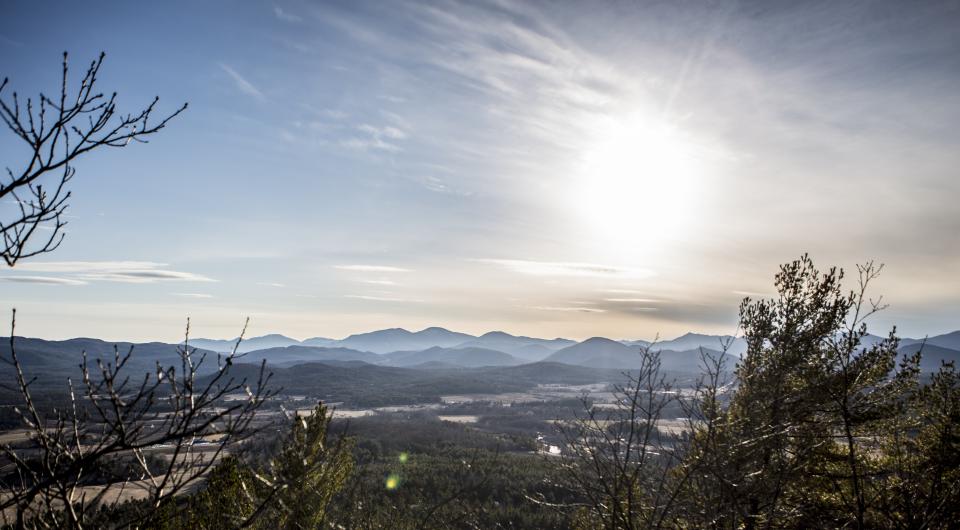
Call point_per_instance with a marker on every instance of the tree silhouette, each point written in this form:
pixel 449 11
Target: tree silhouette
pixel 34 198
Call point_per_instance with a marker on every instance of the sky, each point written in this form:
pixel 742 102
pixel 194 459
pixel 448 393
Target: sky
pixel 573 169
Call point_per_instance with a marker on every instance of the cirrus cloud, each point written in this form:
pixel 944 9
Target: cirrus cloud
pixel 113 271
pixel 573 309
pixel 48 280
pixel 559 268
pixel 377 298
pixel 370 268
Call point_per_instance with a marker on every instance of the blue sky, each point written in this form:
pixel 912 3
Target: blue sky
pixel 554 169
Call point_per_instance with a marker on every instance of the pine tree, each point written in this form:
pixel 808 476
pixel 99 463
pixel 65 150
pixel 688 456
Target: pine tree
pixel 306 474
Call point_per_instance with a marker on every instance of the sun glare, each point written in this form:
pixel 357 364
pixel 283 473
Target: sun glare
pixel 638 182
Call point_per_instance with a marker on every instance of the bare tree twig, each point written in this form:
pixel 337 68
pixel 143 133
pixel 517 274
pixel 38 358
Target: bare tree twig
pixel 192 420
pixel 56 132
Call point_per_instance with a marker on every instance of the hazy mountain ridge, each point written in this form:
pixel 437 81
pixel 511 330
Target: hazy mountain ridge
pixel 289 355
pixel 680 354
pixel 57 357
pixel 499 349
pixel 933 355
pixel 464 357
pixel 599 349
pixel 947 340
pixel 600 352
pixel 528 348
pixel 398 339
pixel 273 340
pixel 692 341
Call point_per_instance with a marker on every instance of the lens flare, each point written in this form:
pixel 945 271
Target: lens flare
pixel 392 482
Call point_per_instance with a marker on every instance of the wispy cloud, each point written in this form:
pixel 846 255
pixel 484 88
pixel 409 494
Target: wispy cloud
pixel 630 300
pixel 242 84
pixel 193 295
pixel 378 298
pixel 271 284
pixel 114 271
pixel 753 294
pixel 570 309
pixel 527 69
pixel 383 138
pixel 146 276
pixel 365 144
pixel 383 132
pixel 370 268
pixel 377 281
pixel 285 16
pixel 439 185
pixel 557 268
pixel 49 280
pixel 360 32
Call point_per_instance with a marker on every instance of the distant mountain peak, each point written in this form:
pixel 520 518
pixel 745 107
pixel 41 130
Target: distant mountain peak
pixel 399 339
pixel 599 340
pixel 382 332
pixel 273 336
pixel 692 335
pixel 495 334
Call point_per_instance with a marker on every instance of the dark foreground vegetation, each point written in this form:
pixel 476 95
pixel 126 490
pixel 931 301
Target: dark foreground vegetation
pixel 812 428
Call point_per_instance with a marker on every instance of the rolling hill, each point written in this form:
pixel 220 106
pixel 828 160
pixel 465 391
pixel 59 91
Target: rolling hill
pixel 251 344
pixel 288 355
pixel 464 357
pixel 693 341
pixel 63 357
pixel 600 352
pixel 527 348
pixel 932 356
pixel 947 340
pixel 399 339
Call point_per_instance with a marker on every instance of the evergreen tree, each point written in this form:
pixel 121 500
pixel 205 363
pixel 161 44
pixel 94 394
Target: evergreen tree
pixel 306 474
pixel 799 443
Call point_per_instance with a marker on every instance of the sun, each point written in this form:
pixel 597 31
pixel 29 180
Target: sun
pixel 638 181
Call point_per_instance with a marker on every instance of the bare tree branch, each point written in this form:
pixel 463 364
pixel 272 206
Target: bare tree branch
pixel 165 431
pixel 34 197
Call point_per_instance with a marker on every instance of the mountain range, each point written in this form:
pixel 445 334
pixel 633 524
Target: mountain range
pixel 399 339
pixel 437 348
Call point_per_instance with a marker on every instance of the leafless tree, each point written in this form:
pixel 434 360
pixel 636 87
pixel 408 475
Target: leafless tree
pixel 704 457
pixel 57 130
pixel 164 430
pixel 629 467
pixel 618 452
